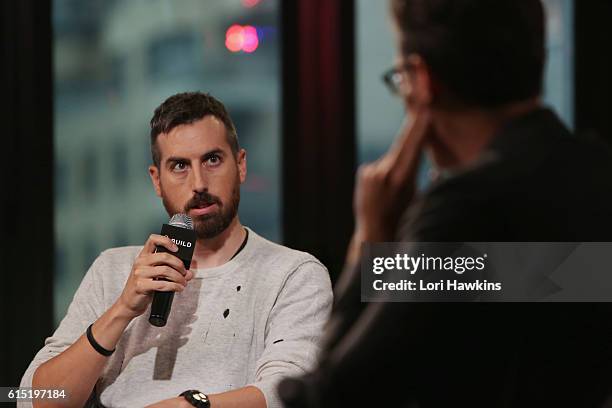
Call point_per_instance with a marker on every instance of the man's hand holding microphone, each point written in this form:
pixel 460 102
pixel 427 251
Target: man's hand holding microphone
pixel 148 268
pixel 157 270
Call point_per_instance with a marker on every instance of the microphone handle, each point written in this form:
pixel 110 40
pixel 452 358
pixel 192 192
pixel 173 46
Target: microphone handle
pixel 162 302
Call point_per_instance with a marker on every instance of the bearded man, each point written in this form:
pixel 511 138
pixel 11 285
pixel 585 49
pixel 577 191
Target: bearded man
pixel 247 313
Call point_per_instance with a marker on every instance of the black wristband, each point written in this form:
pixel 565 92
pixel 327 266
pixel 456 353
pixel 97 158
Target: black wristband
pixel 95 344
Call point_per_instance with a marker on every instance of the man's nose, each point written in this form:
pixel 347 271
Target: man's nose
pixel 199 180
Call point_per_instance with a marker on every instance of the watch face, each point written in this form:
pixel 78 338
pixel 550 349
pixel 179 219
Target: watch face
pixel 196 398
pixel 200 396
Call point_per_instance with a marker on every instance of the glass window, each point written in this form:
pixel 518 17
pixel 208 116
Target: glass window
pixel 120 165
pixel 114 62
pixel 559 71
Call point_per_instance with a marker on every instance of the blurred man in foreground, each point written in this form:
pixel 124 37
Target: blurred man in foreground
pixel 470 75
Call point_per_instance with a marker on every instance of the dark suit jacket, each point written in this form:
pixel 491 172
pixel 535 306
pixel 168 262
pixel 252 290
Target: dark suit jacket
pixel 535 182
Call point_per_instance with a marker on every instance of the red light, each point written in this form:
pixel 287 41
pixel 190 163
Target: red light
pixel 234 38
pixel 250 3
pixel 251 41
pixel 241 38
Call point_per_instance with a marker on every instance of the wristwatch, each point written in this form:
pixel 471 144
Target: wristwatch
pixel 196 398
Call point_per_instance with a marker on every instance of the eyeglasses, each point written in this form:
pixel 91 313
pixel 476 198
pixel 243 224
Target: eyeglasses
pixel 396 79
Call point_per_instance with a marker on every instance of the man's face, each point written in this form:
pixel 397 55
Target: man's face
pixel 411 84
pixel 199 175
pixel 415 88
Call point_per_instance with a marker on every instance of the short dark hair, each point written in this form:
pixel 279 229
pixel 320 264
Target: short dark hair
pixel 185 108
pixel 485 52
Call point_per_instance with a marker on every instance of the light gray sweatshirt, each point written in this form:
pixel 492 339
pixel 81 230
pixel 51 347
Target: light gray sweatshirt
pixel 251 321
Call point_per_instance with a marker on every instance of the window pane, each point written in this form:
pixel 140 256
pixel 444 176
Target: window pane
pixel 114 62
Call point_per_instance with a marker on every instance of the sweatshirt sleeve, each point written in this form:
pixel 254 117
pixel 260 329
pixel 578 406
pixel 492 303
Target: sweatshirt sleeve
pixel 294 328
pixel 86 307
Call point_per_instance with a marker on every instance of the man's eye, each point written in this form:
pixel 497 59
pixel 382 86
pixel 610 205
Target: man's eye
pixel 180 166
pixel 213 161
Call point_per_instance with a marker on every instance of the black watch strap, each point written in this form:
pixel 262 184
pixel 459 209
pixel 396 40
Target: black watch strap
pixel 196 398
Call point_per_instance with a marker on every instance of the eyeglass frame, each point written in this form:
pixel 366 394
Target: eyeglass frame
pixel 387 77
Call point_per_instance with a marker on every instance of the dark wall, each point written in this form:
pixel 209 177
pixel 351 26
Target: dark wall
pixel 318 127
pixel 593 67
pixel 26 198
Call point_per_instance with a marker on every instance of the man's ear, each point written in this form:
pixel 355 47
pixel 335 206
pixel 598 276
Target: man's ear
pixel 154 174
pixel 422 86
pixel 242 165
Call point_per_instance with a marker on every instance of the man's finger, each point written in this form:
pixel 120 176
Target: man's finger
pixel 164 258
pixel 403 157
pixel 161 240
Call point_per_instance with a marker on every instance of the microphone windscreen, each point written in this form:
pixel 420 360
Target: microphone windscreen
pixel 182 221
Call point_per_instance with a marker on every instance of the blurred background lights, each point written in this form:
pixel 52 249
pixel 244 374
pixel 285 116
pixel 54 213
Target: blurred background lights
pixel 250 39
pixel 250 3
pixel 234 38
pixel 241 38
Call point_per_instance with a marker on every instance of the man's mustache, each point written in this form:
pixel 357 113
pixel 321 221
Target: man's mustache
pixel 201 200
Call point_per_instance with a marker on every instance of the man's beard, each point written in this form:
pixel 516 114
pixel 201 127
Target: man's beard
pixel 209 226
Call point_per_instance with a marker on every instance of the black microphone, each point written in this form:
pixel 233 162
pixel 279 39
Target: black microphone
pixel 180 230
